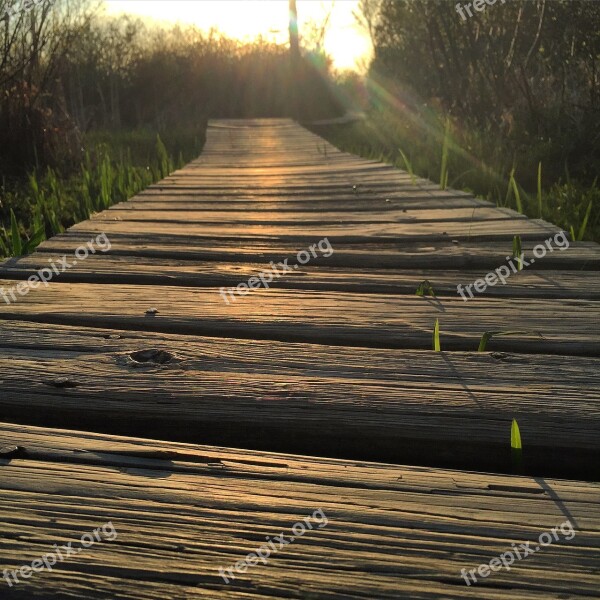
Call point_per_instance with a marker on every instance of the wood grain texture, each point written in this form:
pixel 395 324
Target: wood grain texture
pixel 276 204
pixel 400 196
pixel 404 406
pixel 114 269
pixel 391 253
pixel 336 232
pixel 334 361
pixel 246 216
pixel 334 318
pixel 181 512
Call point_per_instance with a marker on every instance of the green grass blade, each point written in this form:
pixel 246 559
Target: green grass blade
pixel 55 225
pixel 436 336
pixel 517 251
pixel 488 335
pixel 485 338
pixel 508 193
pixel 35 240
pixel 584 223
pixel 164 162
pixel 515 189
pixel 15 236
pixel 408 166
pixel 516 447
pixel 425 288
pixel 515 436
pixel 4 248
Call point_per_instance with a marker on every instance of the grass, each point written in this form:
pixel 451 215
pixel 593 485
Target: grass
pixel 408 167
pixel 425 288
pixel 488 335
pixel 514 188
pixel 584 223
pixel 515 436
pixel 516 446
pixel 436 336
pixel 517 251
pixel 527 177
pixel 115 166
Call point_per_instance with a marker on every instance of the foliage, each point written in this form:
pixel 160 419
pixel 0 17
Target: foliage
pixel 480 164
pixel 123 73
pixel 526 70
pixel 488 335
pixel 66 70
pixel 425 288
pixel 110 172
pixel 517 251
pixel 506 102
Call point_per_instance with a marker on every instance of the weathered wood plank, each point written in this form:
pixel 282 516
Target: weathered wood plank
pixel 269 176
pixel 377 232
pixel 437 255
pixel 111 269
pixel 245 216
pixel 399 406
pixel 341 197
pixel 330 190
pixel 181 512
pixel 184 202
pixel 383 321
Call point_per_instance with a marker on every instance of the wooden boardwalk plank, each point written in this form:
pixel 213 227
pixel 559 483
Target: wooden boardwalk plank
pixel 314 399
pixel 246 216
pixel 392 253
pixel 181 512
pixel 412 231
pixel 338 318
pixel 276 204
pixel 397 197
pixel 164 271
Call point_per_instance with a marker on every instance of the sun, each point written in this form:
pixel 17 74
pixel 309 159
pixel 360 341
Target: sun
pixel 347 44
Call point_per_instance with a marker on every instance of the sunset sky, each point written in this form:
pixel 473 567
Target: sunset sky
pixel 345 42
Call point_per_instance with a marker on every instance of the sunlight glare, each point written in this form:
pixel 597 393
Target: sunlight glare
pixel 345 42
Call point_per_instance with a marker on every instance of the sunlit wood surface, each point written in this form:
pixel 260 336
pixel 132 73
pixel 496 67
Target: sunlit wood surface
pixel 181 512
pixel 334 359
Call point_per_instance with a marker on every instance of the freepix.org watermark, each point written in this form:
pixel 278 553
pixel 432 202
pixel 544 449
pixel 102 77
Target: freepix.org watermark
pixel 518 552
pixel 274 545
pixel 46 274
pixel 478 5
pixel 502 273
pixel 106 532
pixel 266 277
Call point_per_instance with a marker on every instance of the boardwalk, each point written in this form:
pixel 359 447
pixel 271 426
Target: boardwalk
pixel 332 359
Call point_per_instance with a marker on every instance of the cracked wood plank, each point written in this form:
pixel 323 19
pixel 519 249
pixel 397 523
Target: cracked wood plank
pixel 391 531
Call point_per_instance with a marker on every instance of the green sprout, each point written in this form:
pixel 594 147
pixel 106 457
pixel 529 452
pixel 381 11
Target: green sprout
pixel 425 288
pixel 516 447
pixel 436 336
pixel 517 251
pixel 488 335
pixel 515 436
